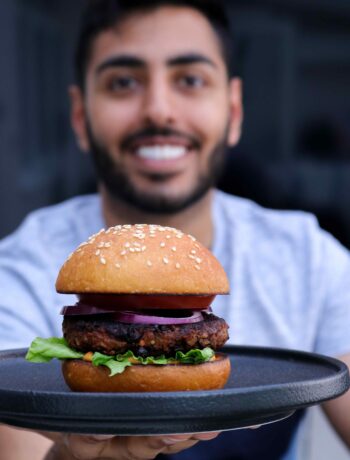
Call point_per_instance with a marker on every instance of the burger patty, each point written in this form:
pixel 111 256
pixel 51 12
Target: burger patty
pixel 86 333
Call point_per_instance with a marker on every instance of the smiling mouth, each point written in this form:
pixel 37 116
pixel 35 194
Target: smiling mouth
pixel 161 152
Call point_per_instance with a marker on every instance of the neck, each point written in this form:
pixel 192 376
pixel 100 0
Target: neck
pixel 195 220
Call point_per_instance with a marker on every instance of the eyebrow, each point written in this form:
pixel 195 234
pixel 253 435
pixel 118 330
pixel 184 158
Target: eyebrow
pixel 136 62
pixel 192 58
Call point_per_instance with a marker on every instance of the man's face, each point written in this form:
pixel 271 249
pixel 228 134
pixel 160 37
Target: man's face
pixel 158 108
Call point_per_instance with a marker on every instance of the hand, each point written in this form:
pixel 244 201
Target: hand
pixel 86 447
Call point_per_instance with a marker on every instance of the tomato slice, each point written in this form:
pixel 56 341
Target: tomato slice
pixel 145 301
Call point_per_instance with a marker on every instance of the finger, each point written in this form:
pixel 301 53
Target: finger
pixel 122 447
pixel 206 436
pixel 148 447
pixel 186 444
pixel 179 447
pixel 86 447
pixel 89 447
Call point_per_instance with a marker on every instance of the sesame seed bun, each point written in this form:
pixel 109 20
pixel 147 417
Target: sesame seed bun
pixel 83 376
pixel 142 259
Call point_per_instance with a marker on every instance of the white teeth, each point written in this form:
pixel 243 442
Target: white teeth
pixel 161 152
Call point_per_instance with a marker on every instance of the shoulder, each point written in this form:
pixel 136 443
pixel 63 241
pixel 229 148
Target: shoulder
pixel 53 230
pixel 248 213
pixel 263 224
pixel 279 236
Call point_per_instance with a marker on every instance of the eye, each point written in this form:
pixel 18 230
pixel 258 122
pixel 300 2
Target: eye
pixel 122 83
pixel 191 81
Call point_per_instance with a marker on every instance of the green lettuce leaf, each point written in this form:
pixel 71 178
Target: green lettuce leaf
pixel 195 356
pixel 116 366
pixel 43 350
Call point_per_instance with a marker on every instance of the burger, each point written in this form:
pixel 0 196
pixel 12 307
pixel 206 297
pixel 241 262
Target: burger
pixel 143 319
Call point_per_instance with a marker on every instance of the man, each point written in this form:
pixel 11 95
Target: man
pixel 155 105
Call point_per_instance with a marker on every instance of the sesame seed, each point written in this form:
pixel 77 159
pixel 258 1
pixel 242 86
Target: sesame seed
pixel 107 245
pixel 191 256
pixel 162 244
pixel 127 244
pixel 165 260
pixel 177 265
pixel 178 235
pixel 161 229
pixel 143 248
pixel 103 260
pixel 198 260
pixel 118 265
pixel 193 251
pixel 123 253
pixel 98 252
pixel 149 263
pixel 132 249
pixel 168 237
pixel 197 267
pixel 173 248
pixel 152 235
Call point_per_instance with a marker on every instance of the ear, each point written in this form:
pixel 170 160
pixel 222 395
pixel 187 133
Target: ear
pixel 236 111
pixel 78 117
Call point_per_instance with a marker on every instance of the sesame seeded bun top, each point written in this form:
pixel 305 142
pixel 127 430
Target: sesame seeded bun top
pixel 142 259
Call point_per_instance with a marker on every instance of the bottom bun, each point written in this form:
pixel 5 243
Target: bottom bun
pixel 83 376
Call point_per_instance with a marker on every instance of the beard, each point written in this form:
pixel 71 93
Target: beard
pixel 113 175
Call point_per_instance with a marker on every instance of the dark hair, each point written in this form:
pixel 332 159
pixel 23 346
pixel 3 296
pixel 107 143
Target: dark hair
pixel 100 15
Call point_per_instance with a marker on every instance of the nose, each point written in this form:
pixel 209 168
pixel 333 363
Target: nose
pixel 158 106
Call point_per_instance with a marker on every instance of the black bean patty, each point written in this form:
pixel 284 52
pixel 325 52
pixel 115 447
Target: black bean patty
pixel 86 333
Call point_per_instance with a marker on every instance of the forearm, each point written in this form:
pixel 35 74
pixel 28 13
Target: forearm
pixel 338 415
pixel 338 411
pixel 16 444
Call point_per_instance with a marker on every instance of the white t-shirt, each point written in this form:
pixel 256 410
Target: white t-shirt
pixel 289 278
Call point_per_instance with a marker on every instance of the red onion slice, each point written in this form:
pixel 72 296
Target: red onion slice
pixel 82 309
pixel 131 317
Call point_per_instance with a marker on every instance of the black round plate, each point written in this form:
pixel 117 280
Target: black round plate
pixel 265 385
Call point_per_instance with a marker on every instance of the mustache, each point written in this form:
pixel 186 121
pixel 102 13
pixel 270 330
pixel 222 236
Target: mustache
pixel 154 131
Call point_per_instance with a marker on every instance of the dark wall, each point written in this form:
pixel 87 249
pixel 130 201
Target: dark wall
pixel 295 149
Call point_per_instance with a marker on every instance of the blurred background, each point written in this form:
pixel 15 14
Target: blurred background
pixel 295 149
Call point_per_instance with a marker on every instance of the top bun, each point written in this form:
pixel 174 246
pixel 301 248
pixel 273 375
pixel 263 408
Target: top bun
pixel 142 259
